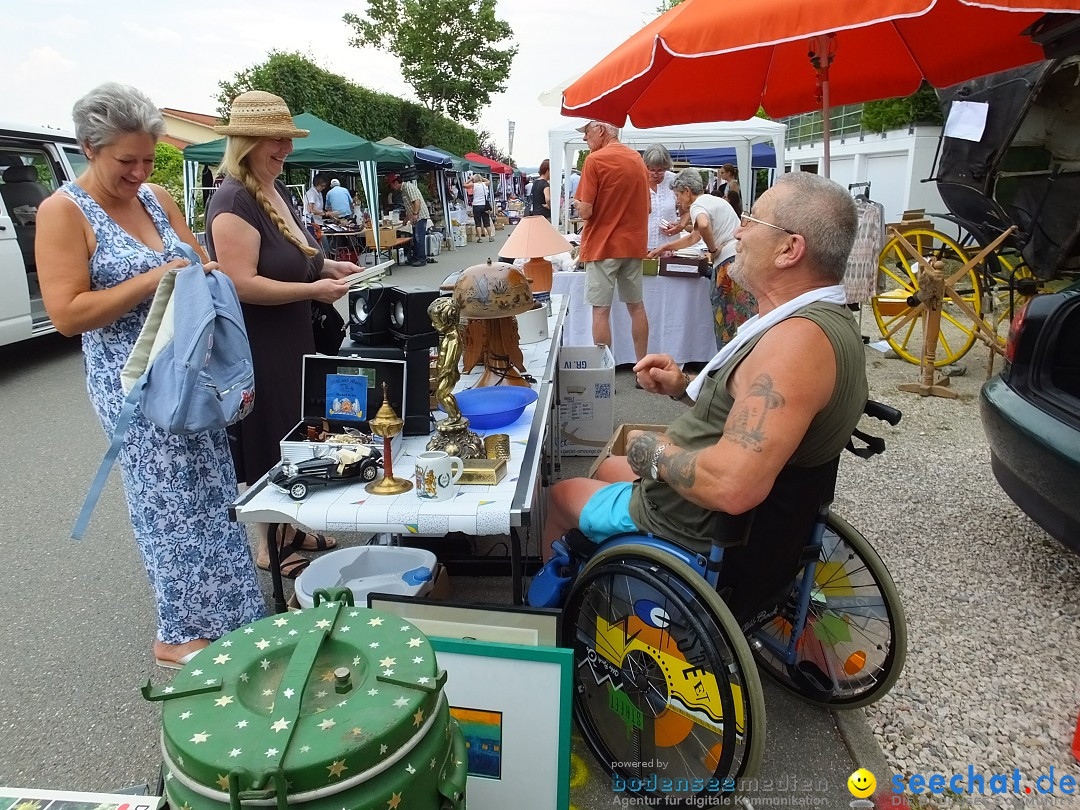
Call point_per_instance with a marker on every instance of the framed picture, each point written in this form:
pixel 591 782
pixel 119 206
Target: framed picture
pixel 503 624
pixel 512 703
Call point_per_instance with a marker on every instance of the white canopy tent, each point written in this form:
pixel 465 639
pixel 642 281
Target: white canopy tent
pixel 565 141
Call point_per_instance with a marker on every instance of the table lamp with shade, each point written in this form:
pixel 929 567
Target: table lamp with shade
pixel 489 296
pixel 534 238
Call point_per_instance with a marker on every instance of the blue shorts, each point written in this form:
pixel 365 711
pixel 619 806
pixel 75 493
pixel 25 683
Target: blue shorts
pixel 607 513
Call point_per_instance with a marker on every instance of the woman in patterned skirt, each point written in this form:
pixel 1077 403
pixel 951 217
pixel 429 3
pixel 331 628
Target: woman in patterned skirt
pixel 103 244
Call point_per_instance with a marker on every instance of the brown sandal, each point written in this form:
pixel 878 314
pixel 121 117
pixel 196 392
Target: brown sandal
pixel 321 541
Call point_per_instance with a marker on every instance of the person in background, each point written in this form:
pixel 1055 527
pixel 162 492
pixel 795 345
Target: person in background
pixel 481 206
pixel 541 192
pixel 714 222
pixel 664 216
pixel 339 200
pixel 278 270
pixel 416 212
pixel 613 199
pixel 767 417
pixel 314 209
pixel 104 242
pixel 731 190
pixel 528 196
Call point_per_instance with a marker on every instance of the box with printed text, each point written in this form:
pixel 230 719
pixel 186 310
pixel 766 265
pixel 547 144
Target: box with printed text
pixel 586 399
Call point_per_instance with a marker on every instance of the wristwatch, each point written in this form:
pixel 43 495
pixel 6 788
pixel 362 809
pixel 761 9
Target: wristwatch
pixel 654 473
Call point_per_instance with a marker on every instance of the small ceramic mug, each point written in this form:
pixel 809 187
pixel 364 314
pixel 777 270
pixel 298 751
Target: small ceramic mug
pixel 437 474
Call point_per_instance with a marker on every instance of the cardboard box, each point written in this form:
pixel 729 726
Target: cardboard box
pixel 683 267
pixel 386 236
pixel 650 267
pixel 460 235
pixel 586 399
pixel 616 445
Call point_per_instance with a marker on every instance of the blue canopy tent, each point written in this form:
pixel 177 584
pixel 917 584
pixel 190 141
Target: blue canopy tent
pixel 762 156
pixel 430 160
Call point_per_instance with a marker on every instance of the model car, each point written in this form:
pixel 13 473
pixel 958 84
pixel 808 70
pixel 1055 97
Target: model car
pixel 297 478
pixel 1031 414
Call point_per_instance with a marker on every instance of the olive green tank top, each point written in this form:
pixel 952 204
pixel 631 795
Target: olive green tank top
pixel 657 508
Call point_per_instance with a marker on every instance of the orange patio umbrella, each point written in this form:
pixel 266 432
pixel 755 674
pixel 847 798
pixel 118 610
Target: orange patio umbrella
pixel 720 60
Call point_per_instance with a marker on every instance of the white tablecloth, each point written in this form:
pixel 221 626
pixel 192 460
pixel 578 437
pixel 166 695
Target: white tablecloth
pixel 679 312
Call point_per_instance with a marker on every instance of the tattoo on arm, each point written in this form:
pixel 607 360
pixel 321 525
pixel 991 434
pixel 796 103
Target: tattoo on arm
pixel 679 469
pixel 640 451
pixel 746 426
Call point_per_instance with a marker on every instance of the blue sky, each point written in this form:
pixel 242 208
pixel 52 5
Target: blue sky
pixel 56 50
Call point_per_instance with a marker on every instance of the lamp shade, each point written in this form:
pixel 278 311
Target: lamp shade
pixel 534 237
pixel 492 290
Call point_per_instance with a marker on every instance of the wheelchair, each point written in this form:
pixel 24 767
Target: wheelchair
pixel 668 641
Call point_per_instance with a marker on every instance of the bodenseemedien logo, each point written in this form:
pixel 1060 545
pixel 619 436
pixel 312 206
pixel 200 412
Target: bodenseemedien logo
pixel 861 785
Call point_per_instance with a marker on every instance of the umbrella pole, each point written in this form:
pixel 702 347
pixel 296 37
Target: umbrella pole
pixel 822 52
pixel 825 131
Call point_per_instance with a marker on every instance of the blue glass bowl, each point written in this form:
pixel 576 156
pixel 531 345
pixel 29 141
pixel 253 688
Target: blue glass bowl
pixel 494 406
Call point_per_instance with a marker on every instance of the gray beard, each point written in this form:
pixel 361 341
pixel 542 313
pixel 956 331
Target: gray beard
pixel 735 272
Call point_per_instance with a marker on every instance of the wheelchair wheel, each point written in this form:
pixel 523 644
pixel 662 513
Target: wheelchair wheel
pixel 666 694
pixel 899 274
pixel 853 646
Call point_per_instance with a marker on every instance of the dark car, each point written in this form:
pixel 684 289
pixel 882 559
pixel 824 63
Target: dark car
pixel 1031 414
pixel 298 477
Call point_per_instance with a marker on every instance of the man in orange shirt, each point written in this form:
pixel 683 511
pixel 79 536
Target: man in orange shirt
pixel 613 199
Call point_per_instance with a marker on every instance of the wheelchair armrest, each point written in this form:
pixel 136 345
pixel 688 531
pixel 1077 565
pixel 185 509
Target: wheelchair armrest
pixel 880 410
pixel 733 530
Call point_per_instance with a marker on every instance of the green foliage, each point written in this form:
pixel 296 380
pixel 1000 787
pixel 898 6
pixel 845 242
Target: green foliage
pixel 306 87
pixel 921 107
pixel 584 153
pixel 489 150
pixel 666 5
pixel 448 49
pixel 169 171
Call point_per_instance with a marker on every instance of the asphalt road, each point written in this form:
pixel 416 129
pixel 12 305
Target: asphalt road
pixel 78 620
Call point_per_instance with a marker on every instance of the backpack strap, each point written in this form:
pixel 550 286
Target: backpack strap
pixel 123 420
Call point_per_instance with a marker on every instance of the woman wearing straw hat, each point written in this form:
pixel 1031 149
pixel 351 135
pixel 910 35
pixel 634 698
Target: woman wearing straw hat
pixel 259 239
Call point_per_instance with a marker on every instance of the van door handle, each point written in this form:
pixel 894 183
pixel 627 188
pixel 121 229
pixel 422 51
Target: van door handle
pixel 3 227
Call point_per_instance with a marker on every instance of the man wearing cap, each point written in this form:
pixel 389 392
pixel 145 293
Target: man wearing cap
pixel 338 199
pixel 613 200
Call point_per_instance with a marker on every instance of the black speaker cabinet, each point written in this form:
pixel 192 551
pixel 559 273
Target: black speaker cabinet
pixel 417 414
pixel 369 316
pixel 408 310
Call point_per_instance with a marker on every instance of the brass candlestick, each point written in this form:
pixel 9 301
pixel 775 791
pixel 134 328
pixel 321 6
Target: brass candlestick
pixel 387 424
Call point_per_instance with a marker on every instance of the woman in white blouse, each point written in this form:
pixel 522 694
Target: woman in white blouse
pixel 658 163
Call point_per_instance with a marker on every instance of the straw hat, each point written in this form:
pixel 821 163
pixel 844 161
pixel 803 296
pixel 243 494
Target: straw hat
pixel 261 115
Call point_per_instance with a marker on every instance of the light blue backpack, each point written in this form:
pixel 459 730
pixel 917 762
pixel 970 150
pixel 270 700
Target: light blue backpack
pixel 190 370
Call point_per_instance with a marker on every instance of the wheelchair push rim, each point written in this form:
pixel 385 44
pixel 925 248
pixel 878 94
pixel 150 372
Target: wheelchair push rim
pixel 664 683
pixel 854 644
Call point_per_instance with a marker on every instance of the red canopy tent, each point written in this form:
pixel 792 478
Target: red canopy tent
pixel 496 166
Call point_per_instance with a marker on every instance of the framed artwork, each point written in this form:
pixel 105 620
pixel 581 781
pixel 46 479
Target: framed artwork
pixel 32 799
pixel 513 705
pixel 503 624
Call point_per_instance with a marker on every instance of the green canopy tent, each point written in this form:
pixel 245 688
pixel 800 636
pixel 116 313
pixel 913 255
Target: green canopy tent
pixel 463 168
pixel 327 147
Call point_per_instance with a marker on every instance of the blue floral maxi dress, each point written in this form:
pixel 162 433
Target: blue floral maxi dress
pixel 178 488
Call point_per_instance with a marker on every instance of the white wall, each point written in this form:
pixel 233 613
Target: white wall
pixel 894 163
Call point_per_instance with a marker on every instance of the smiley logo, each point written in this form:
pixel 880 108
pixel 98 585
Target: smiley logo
pixel 861 783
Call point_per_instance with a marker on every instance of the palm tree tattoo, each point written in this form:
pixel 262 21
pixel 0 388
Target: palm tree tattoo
pixel 739 428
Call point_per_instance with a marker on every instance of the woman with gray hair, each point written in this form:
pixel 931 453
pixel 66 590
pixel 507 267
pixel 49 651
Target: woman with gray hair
pixel 104 242
pixel 663 215
pixel 714 221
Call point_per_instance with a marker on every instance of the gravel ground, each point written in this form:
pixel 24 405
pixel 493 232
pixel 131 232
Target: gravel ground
pixel 992 601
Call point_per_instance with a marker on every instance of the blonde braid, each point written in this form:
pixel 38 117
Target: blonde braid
pixel 244 176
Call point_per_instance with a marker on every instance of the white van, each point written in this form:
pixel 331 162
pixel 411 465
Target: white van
pixel 34 162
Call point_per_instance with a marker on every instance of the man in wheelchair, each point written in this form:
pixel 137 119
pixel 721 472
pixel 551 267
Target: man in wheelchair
pixel 768 416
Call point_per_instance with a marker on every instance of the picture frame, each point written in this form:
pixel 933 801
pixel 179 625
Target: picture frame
pixel 504 624
pixel 513 704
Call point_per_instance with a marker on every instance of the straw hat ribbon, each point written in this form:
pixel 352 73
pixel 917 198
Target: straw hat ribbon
pixel 261 115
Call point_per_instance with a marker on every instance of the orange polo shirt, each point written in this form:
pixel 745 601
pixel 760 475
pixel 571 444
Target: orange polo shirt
pixel 615 181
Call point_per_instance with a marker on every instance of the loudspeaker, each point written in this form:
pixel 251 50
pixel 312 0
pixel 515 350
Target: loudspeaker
pixel 369 316
pixel 408 307
pixel 417 414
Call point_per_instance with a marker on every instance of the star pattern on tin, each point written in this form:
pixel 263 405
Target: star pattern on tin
pixel 395 800
pixel 280 622
pixel 327 676
pixel 423 681
pixel 185 715
pixel 280 725
pixel 327 724
pixel 222 781
pixel 374 645
pixel 262 643
pixel 353 614
pixel 343 703
pixel 414 642
pixel 304 749
pixel 293 633
pixel 267 692
pixel 235 752
pixel 288 693
pixel 410 768
pixel 210 681
pixel 224 658
pixel 387 662
pixel 223 701
pixel 242 724
pixel 405 628
pixel 265 664
pixel 337 768
pixel 431 767
pixel 376 621
pixel 357 661
pixel 169 776
pixel 418 718
pixel 200 737
pixel 195 673
pixel 373 692
pixel 245 677
pixel 271 752
pixel 383 749
pixel 388 672
pixel 321 693
pixel 226 644
pixel 401 703
pixel 357 731
pixel 168 690
pixel 344 629
pixel 418 660
pixel 322 624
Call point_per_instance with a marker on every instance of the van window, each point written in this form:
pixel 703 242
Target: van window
pixel 76 158
pixel 27 177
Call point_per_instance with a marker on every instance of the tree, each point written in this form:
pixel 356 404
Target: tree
pixel 448 49
pixel 921 107
pixel 169 171
pixel 489 150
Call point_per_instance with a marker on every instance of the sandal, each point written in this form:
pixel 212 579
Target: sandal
pixel 291 567
pixel 321 541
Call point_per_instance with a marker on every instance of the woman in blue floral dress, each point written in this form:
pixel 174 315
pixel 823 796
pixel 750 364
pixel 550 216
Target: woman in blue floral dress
pixel 103 244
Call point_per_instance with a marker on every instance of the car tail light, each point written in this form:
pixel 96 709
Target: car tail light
pixel 1016 328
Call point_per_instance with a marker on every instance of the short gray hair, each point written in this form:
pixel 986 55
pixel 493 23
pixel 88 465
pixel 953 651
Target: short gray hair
pixel 657 156
pixel 690 179
pixel 824 214
pixel 113 110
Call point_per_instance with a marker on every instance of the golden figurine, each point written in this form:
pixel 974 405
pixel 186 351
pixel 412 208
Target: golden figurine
pixel 452 433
